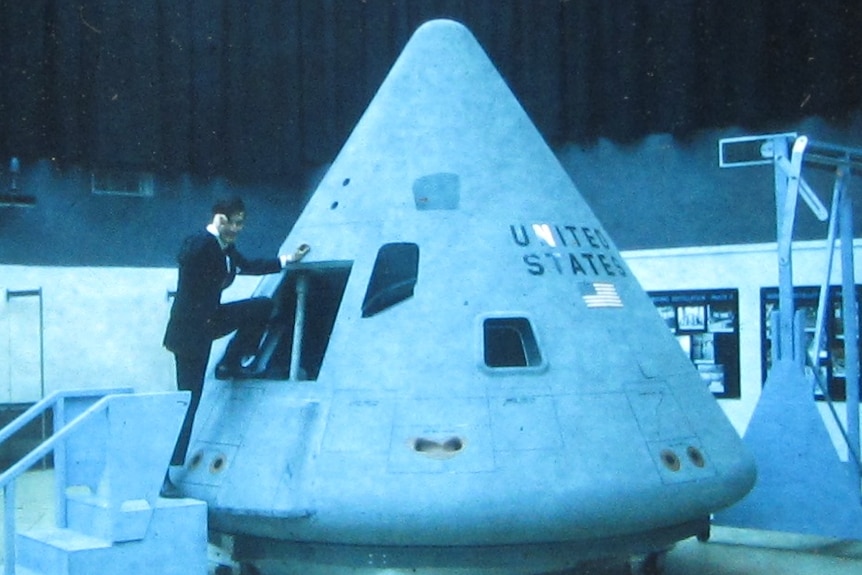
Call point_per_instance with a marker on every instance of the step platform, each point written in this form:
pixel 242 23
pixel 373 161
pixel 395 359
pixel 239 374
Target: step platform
pixel 175 544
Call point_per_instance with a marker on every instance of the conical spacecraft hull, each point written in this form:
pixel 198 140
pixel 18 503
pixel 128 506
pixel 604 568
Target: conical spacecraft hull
pixel 463 360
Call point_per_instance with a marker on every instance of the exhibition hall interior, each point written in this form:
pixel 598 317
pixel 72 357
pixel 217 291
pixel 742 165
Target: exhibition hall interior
pixel 565 286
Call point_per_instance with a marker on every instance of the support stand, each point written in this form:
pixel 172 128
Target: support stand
pixel 803 486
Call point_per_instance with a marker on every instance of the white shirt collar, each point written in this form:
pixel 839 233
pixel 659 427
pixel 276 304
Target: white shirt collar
pixel 212 229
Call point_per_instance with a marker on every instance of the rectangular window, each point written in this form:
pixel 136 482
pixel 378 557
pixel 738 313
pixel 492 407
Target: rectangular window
pixel 107 182
pixel 509 342
pixel 396 270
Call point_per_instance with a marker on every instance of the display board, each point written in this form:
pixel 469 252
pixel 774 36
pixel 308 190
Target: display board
pixel 706 325
pixel 832 357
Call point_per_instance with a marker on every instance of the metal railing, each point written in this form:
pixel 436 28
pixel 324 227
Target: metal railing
pixel 843 161
pixel 97 401
pixel 787 152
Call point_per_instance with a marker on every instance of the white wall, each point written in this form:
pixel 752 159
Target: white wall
pixel 104 326
pixel 746 268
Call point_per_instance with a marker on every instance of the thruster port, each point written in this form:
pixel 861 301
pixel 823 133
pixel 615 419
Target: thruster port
pixel 695 456
pixel 218 463
pixel 196 460
pixel 438 449
pixel 670 460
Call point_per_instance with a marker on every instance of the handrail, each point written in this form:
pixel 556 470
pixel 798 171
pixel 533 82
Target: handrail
pixel 8 477
pixel 824 389
pixel 823 298
pixel 46 446
pixel 813 358
pixel 43 404
pixel 832 155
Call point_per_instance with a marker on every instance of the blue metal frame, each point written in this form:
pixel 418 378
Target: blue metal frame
pixel 789 401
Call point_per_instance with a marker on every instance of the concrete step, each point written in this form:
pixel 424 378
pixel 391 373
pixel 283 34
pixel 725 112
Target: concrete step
pixel 93 516
pixel 175 544
pixel 55 551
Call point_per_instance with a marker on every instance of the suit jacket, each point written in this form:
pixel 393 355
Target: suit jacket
pixel 204 271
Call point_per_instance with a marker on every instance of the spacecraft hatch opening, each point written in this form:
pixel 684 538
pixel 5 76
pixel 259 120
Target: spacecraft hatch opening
pixel 306 303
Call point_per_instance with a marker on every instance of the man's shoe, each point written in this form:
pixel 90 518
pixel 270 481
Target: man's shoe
pixel 223 371
pixel 245 370
pixel 169 490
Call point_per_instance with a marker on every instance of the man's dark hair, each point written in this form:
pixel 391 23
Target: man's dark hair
pixel 229 206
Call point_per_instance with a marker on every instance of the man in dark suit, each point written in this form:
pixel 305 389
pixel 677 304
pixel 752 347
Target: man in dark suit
pixel 208 263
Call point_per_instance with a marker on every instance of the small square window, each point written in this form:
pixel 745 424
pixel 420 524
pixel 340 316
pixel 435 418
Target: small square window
pixel 509 342
pixel 107 182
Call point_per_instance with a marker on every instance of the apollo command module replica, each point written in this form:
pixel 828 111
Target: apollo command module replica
pixel 463 375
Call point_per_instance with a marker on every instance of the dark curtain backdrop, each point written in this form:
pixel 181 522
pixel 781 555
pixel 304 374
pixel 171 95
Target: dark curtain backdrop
pixel 262 89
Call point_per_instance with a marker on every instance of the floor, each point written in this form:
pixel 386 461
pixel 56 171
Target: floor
pixel 729 552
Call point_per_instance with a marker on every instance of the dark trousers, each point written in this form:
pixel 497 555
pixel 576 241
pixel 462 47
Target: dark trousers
pixel 248 317
pixel 190 377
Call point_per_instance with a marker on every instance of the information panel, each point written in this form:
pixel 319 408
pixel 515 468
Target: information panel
pixel 706 325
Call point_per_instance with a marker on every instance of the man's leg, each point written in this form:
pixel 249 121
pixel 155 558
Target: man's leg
pixel 249 318
pixel 190 377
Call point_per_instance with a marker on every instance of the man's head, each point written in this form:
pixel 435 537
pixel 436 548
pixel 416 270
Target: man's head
pixel 229 218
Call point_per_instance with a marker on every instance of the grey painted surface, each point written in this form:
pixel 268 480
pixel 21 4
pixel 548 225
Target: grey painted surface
pixel 603 442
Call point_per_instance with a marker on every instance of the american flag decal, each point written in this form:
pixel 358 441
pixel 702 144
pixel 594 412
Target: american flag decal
pixel 600 294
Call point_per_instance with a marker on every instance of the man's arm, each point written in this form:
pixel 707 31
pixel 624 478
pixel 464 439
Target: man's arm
pixel 267 266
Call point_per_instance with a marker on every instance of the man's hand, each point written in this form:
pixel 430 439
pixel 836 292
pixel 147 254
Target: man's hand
pixel 296 255
pixel 300 252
